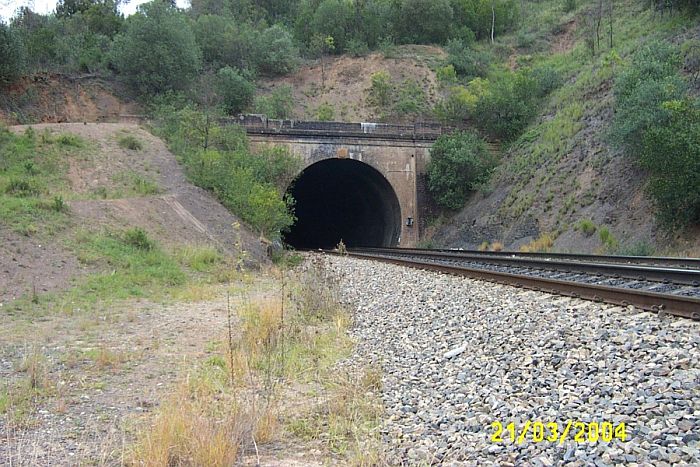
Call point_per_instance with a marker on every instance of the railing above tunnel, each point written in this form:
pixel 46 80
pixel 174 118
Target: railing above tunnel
pixel 260 124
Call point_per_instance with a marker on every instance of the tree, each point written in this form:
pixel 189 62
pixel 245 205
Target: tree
pixel 277 54
pixel 235 89
pixel 459 163
pixel 157 52
pixel 424 21
pixel 12 55
pixel 334 18
pixel 671 153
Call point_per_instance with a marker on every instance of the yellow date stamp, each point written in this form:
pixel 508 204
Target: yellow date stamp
pixel 555 432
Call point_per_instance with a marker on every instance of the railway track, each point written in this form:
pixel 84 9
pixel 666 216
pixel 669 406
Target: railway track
pixel 664 285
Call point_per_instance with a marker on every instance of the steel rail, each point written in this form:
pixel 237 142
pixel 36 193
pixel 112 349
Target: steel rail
pixel 693 263
pixel 678 305
pixel 629 271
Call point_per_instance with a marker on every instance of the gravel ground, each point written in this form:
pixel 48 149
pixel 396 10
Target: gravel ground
pixel 459 354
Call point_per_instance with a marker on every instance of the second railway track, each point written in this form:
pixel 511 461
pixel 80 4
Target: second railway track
pixel 665 285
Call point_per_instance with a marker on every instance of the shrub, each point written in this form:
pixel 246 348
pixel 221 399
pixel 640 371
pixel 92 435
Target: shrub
pixel 130 142
pixel 138 238
pixel 423 21
pixel 381 89
pixel 70 140
pixel 510 104
pixel 671 153
pixel 279 104
pixel 235 89
pixel 447 74
pixel 569 6
pixel 411 99
pixel 325 112
pixel 651 79
pixel 357 48
pixel 641 248
pixel 459 164
pixel 467 61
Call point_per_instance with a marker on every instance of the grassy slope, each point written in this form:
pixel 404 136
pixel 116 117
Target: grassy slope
pixel 562 170
pixel 34 196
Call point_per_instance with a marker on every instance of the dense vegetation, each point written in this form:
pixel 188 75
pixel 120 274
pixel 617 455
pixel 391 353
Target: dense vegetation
pixel 658 123
pixel 206 59
pixel 459 164
pixel 219 159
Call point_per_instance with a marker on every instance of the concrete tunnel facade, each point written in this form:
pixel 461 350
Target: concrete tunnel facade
pixel 363 191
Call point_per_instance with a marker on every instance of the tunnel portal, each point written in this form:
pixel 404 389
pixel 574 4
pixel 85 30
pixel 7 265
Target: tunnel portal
pixel 343 199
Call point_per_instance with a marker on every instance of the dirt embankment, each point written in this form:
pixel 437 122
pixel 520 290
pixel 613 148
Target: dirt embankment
pixel 344 82
pixel 177 213
pixel 57 98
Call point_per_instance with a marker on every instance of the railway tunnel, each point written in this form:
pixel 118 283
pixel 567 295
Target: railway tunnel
pixel 343 199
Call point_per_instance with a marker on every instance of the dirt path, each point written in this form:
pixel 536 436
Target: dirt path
pixel 101 373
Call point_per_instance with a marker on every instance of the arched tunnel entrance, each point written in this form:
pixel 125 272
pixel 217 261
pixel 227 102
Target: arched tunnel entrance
pixel 343 199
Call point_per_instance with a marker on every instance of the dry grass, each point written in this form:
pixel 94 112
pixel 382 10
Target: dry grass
pixel 238 399
pixel 497 246
pixel 543 244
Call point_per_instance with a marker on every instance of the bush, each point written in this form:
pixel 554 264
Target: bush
pixel 138 238
pixel 459 164
pixel 130 142
pixel 381 89
pixel 510 105
pixel 279 104
pixel 651 79
pixel 235 89
pixel 158 51
pixel 671 153
pixel 656 123
pixel 412 100
pixel 467 61
pixel 357 48
pixel 447 74
pixel 607 239
pixel 325 113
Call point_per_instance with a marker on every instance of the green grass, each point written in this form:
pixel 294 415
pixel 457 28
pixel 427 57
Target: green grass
pixel 133 184
pixel 136 265
pixel 130 142
pixel 33 179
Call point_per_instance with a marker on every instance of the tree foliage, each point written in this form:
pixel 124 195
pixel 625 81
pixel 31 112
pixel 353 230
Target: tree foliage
pixel 157 52
pixel 658 124
pixel 12 55
pixel 459 164
pixel 235 89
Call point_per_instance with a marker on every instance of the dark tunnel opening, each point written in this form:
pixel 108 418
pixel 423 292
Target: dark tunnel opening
pixel 343 199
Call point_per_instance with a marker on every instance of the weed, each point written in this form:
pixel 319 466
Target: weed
pixel 484 246
pixel 543 244
pixel 640 248
pixel 58 204
pixel 143 186
pixel 138 238
pixel 70 140
pixel 608 240
pixel 21 188
pixel 130 142
pixel 497 246
pixel 587 227
pixel 200 259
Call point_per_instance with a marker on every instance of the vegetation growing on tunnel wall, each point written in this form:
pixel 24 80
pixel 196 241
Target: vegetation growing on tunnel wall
pixel 218 158
pixel 459 163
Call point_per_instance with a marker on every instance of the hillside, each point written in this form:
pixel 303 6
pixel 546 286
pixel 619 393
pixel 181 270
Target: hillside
pixel 107 189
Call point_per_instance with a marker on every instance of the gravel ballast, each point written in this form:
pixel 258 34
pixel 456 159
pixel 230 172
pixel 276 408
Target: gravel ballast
pixel 458 355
